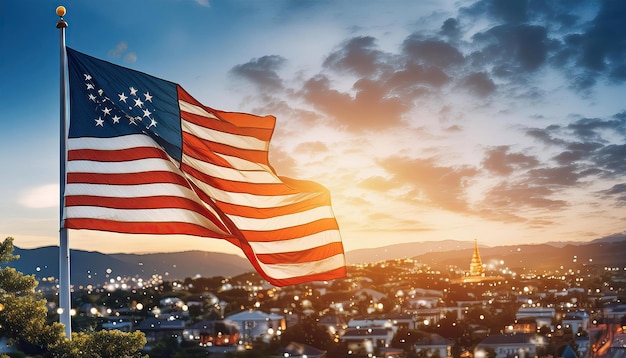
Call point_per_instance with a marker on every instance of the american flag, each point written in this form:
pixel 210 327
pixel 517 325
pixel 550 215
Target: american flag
pixel 144 157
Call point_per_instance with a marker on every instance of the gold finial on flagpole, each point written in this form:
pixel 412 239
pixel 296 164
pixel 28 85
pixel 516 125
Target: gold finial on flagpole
pixel 61 12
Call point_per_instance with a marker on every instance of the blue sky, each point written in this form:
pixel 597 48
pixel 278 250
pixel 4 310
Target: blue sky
pixel 496 120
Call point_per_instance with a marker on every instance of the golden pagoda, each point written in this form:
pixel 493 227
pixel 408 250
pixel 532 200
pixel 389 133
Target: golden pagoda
pixel 476 266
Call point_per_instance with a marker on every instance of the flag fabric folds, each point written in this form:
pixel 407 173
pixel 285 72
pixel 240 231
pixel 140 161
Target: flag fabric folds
pixel 144 157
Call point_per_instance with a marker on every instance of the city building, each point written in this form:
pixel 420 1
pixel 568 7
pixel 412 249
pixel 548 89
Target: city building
pixel 516 345
pixel 434 345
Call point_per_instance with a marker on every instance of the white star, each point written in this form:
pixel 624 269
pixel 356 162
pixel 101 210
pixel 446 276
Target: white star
pixel 87 77
pixel 138 102
pixel 100 91
pixel 106 111
pixel 146 113
pixel 152 123
pixel 116 119
pixel 99 122
pixel 92 97
pixel 89 86
pixel 133 91
pixel 148 97
pixel 122 97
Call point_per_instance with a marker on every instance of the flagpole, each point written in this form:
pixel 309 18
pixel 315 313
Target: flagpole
pixel 64 248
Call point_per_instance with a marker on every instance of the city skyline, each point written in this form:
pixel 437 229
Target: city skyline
pixel 427 121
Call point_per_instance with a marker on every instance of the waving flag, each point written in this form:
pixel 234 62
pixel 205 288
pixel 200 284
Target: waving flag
pixel 144 157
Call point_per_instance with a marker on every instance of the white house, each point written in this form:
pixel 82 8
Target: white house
pixel 255 325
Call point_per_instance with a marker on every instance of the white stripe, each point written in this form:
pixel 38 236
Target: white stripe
pixel 194 109
pixel 141 215
pixel 113 143
pixel 136 191
pixel 130 191
pixel 131 166
pixel 233 140
pixel 283 221
pixel 299 244
pixel 251 200
pixel 285 271
pixel 146 165
pixel 242 164
pixel 258 176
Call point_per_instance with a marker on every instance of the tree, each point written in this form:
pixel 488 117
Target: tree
pixel 23 315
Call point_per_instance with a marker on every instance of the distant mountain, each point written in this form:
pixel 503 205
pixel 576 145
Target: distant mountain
pixel 612 238
pixel 95 268
pixel 522 258
pixel 406 250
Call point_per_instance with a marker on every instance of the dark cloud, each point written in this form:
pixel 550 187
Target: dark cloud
pixel 617 189
pixel 544 136
pixel 431 52
pixel 611 159
pixel 512 48
pixel 450 28
pixel 605 42
pixel 369 109
pixel 617 193
pixel 591 129
pixel 357 55
pixel 563 176
pixel 261 71
pixel 416 79
pixel 479 84
pixel 498 160
pixel 511 198
pixel 512 11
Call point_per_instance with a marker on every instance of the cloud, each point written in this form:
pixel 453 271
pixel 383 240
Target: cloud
pixel 478 84
pixel 119 50
pixel 357 55
pixel 512 49
pixel 44 196
pixel 312 147
pixel 498 160
pixel 261 71
pixel 204 3
pixel 369 109
pixel 130 57
pixel 431 52
pixel 429 182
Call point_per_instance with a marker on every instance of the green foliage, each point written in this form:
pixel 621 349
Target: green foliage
pixel 105 344
pixel 23 319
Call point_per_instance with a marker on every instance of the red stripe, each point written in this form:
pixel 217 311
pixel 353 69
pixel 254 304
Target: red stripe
pixel 159 228
pixel 323 276
pixel 269 189
pixel 310 255
pixel 203 147
pixel 128 179
pixel 261 213
pixel 155 202
pixel 314 227
pixel 263 134
pixel 243 120
pixel 121 155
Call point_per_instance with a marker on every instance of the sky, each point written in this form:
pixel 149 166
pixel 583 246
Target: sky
pixel 501 121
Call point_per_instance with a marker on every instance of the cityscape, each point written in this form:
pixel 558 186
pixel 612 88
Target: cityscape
pixel 392 308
